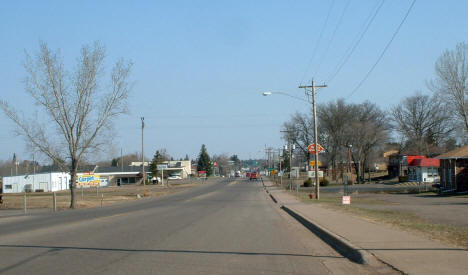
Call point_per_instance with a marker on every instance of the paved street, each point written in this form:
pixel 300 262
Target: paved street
pixel 226 227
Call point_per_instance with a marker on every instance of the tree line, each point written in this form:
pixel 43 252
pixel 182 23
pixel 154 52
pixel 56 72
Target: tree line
pixel 427 123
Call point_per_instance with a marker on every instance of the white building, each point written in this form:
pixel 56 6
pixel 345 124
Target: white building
pixel 44 182
pixel 423 170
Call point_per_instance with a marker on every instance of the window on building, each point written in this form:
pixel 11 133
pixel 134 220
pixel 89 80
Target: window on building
pixel 8 186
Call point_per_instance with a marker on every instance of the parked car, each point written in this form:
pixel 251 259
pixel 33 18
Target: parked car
pixel 174 178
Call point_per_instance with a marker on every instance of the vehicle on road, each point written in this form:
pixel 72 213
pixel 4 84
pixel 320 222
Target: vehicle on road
pixel 253 176
pixel 174 178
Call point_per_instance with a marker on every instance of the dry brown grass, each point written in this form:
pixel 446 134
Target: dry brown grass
pixel 90 197
pixel 403 220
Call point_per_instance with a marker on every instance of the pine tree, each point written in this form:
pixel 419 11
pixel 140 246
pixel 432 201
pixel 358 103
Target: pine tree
pixel 204 161
pixel 157 159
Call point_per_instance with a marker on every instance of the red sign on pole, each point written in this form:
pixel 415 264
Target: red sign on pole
pixel 311 148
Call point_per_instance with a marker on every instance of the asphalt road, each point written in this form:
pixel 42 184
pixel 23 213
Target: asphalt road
pixel 225 227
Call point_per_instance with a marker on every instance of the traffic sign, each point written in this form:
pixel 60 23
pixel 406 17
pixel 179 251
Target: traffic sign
pixel 311 148
pixel 312 163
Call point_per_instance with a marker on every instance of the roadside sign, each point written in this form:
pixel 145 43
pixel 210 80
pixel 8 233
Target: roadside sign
pixel 311 148
pixel 161 166
pixel 312 163
pixel 311 174
pixel 89 180
pixel 346 200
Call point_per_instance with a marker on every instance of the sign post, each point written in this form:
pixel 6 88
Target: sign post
pixel 316 149
pixel 346 200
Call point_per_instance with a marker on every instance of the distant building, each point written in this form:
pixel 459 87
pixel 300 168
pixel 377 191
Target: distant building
pixel 182 168
pixel 398 164
pixel 44 182
pixel 132 174
pixel 454 170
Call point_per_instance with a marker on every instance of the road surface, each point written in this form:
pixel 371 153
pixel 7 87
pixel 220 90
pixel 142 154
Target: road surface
pixel 226 227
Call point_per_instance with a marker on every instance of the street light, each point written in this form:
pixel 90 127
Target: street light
pixel 285 94
pixel 312 96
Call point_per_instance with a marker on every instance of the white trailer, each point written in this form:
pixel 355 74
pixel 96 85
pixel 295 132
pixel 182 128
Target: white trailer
pixel 44 182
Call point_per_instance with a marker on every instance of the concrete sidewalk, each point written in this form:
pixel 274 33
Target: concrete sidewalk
pixel 405 251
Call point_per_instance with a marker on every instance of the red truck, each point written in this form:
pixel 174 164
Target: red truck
pixel 253 176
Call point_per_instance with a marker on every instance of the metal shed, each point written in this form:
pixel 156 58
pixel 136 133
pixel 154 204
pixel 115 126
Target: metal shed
pixel 44 182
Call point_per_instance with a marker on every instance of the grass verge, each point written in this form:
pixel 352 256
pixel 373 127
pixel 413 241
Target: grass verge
pixel 403 220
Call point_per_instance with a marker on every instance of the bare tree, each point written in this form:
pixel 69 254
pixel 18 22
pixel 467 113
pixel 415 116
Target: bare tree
pixel 77 109
pixel 334 118
pixel 368 131
pixel 222 161
pixel 422 121
pixel 299 130
pixel 451 82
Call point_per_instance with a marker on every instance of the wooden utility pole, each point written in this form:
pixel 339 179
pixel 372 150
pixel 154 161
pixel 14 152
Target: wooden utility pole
pixel 289 148
pixel 143 150
pixel 313 87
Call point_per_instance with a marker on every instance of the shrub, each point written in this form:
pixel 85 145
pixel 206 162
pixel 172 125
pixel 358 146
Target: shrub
pixel 308 183
pixel 324 182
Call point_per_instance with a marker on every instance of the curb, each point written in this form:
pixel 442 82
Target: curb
pixel 344 247
pixel 341 245
pixel 273 198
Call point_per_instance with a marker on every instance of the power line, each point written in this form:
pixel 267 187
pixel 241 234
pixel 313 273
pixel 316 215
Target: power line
pixel 318 41
pixel 384 50
pixel 352 47
pixel 331 38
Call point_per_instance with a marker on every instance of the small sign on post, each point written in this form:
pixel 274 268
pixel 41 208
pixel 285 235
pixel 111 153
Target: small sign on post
pixel 346 200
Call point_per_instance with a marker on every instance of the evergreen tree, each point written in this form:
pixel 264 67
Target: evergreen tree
pixel 186 157
pixel 115 162
pixel 157 159
pixel 204 161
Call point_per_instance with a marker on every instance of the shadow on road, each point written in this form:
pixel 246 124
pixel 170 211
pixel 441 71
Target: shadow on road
pixel 55 248
pixel 51 249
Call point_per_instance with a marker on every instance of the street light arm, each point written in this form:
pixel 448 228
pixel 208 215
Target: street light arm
pixel 286 94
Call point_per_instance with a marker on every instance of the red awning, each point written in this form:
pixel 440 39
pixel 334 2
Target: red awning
pixel 426 162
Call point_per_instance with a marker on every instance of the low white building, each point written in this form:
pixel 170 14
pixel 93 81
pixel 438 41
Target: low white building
pixel 44 182
pixel 423 170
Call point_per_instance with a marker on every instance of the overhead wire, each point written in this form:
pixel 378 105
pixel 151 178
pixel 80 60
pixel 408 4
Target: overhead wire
pixel 384 50
pixel 353 46
pixel 314 52
pixel 327 48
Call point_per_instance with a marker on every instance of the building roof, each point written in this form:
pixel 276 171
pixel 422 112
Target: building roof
pixel 116 169
pixel 391 152
pixel 458 153
pixel 410 159
pixel 425 162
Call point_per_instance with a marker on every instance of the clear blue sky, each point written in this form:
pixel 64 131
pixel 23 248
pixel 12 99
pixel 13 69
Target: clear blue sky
pixel 200 66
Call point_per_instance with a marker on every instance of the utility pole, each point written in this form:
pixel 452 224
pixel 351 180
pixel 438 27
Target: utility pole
pixel 350 165
pixel 121 158
pixel 307 92
pixel 143 150
pixel 289 147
